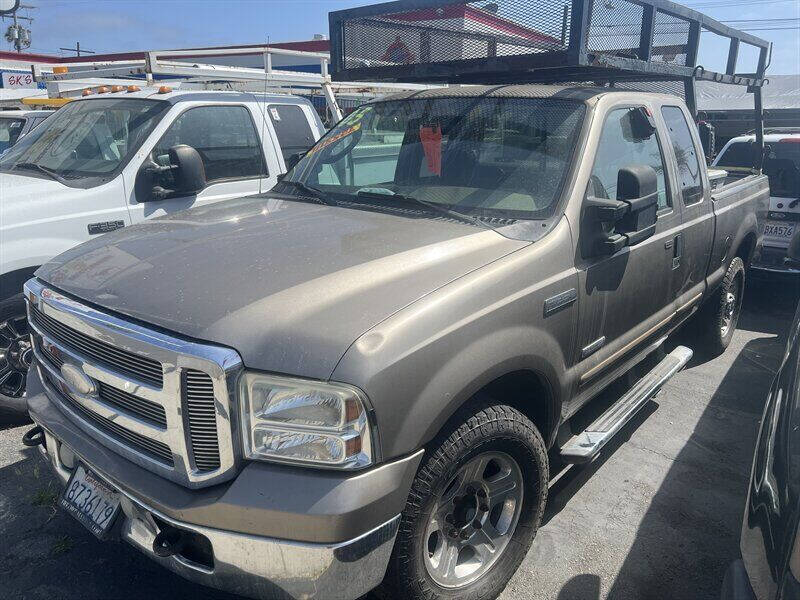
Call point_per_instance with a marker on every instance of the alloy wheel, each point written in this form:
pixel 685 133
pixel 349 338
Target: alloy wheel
pixel 473 520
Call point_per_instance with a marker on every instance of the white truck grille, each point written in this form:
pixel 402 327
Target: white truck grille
pixel 160 401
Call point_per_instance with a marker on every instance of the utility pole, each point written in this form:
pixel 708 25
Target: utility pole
pixel 77 49
pixel 18 35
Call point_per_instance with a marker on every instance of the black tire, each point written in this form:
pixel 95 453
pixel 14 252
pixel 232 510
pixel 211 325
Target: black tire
pixel 14 351
pixel 493 428
pixel 717 320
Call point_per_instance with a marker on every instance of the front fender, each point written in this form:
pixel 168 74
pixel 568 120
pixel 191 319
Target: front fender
pixel 421 364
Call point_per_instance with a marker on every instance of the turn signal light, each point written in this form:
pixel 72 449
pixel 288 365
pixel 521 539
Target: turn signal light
pixel 164 89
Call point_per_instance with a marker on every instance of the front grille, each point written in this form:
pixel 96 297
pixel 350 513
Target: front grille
pixel 152 448
pixel 179 427
pixel 54 358
pixel 202 416
pixel 144 409
pixel 142 368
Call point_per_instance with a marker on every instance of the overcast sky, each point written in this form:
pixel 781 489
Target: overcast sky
pixel 128 25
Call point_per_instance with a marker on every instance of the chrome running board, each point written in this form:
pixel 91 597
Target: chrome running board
pixel 586 445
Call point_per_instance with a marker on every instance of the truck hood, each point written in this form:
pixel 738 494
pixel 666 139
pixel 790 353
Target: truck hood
pixel 288 284
pixel 26 186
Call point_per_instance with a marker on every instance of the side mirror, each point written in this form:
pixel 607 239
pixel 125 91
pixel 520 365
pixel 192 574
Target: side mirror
pixel 631 218
pixel 187 170
pixel 793 253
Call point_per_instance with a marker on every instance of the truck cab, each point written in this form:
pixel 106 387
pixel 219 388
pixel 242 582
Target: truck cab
pixel 103 163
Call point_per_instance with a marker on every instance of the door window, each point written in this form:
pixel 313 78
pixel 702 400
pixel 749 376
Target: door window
pixel 225 138
pixel 619 148
pixel 689 173
pixel 292 128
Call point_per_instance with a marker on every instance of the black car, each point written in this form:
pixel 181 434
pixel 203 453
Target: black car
pixel 770 565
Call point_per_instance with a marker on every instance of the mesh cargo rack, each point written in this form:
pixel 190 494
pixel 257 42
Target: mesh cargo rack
pixel 643 43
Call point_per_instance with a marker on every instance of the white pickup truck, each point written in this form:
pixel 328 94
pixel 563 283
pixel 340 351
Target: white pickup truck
pixel 782 166
pixel 109 160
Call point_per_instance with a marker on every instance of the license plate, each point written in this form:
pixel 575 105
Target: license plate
pixel 779 230
pixel 92 501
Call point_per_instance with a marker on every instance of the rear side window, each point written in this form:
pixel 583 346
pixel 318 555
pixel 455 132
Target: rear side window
pixel 619 148
pixel 225 138
pixel 292 128
pixel 689 176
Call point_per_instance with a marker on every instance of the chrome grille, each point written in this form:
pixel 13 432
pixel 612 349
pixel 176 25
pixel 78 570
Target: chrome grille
pixel 152 448
pixel 140 407
pixel 142 368
pixel 199 390
pixel 180 429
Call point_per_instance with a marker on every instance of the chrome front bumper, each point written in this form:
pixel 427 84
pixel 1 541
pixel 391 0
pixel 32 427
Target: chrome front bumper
pixel 257 567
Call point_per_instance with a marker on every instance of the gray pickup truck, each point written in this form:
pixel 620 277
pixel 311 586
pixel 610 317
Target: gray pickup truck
pixel 366 367
pixel 358 379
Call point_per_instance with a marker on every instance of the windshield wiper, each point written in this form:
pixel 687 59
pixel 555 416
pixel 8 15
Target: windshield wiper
pixel 36 167
pixel 311 191
pixel 430 205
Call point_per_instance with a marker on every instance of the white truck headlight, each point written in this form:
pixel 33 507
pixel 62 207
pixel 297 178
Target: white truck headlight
pixel 304 422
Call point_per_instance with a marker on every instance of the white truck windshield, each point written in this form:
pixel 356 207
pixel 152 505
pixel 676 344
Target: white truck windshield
pixel 86 139
pixel 484 157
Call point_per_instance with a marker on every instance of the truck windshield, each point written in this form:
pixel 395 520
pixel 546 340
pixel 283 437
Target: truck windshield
pixel 9 132
pixel 481 157
pixel 86 139
pixel 781 164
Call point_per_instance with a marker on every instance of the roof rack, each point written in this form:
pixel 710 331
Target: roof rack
pixel 182 64
pixel 599 42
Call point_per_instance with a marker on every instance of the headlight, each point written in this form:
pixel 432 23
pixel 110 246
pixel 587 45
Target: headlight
pixel 298 421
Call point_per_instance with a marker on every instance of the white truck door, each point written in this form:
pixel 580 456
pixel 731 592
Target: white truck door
pixel 228 141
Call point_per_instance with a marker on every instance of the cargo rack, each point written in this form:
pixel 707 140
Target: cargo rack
pixel 649 44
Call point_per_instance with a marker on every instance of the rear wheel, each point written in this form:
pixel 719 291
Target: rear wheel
pixel 473 509
pixel 15 354
pixel 719 317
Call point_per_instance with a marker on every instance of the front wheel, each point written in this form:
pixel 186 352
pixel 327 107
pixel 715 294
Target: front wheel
pixel 473 510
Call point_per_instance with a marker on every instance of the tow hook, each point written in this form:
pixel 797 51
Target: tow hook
pixel 34 437
pixel 169 541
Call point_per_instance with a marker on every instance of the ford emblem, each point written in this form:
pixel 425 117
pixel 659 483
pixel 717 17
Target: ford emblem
pixel 77 380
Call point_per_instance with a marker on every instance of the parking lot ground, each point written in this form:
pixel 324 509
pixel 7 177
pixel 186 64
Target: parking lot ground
pixel 657 515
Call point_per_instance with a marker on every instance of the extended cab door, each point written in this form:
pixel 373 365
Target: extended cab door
pixel 626 298
pixel 691 195
pixel 293 129
pixel 229 143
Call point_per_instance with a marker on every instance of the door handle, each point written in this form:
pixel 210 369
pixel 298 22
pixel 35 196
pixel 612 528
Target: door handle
pixel 677 251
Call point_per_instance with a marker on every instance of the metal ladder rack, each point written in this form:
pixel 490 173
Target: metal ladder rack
pixel 174 64
pixel 596 42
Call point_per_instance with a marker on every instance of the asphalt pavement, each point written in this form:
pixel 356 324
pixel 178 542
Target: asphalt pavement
pixel 656 516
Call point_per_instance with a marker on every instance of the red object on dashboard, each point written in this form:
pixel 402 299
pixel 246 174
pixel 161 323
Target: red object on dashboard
pixel 431 138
